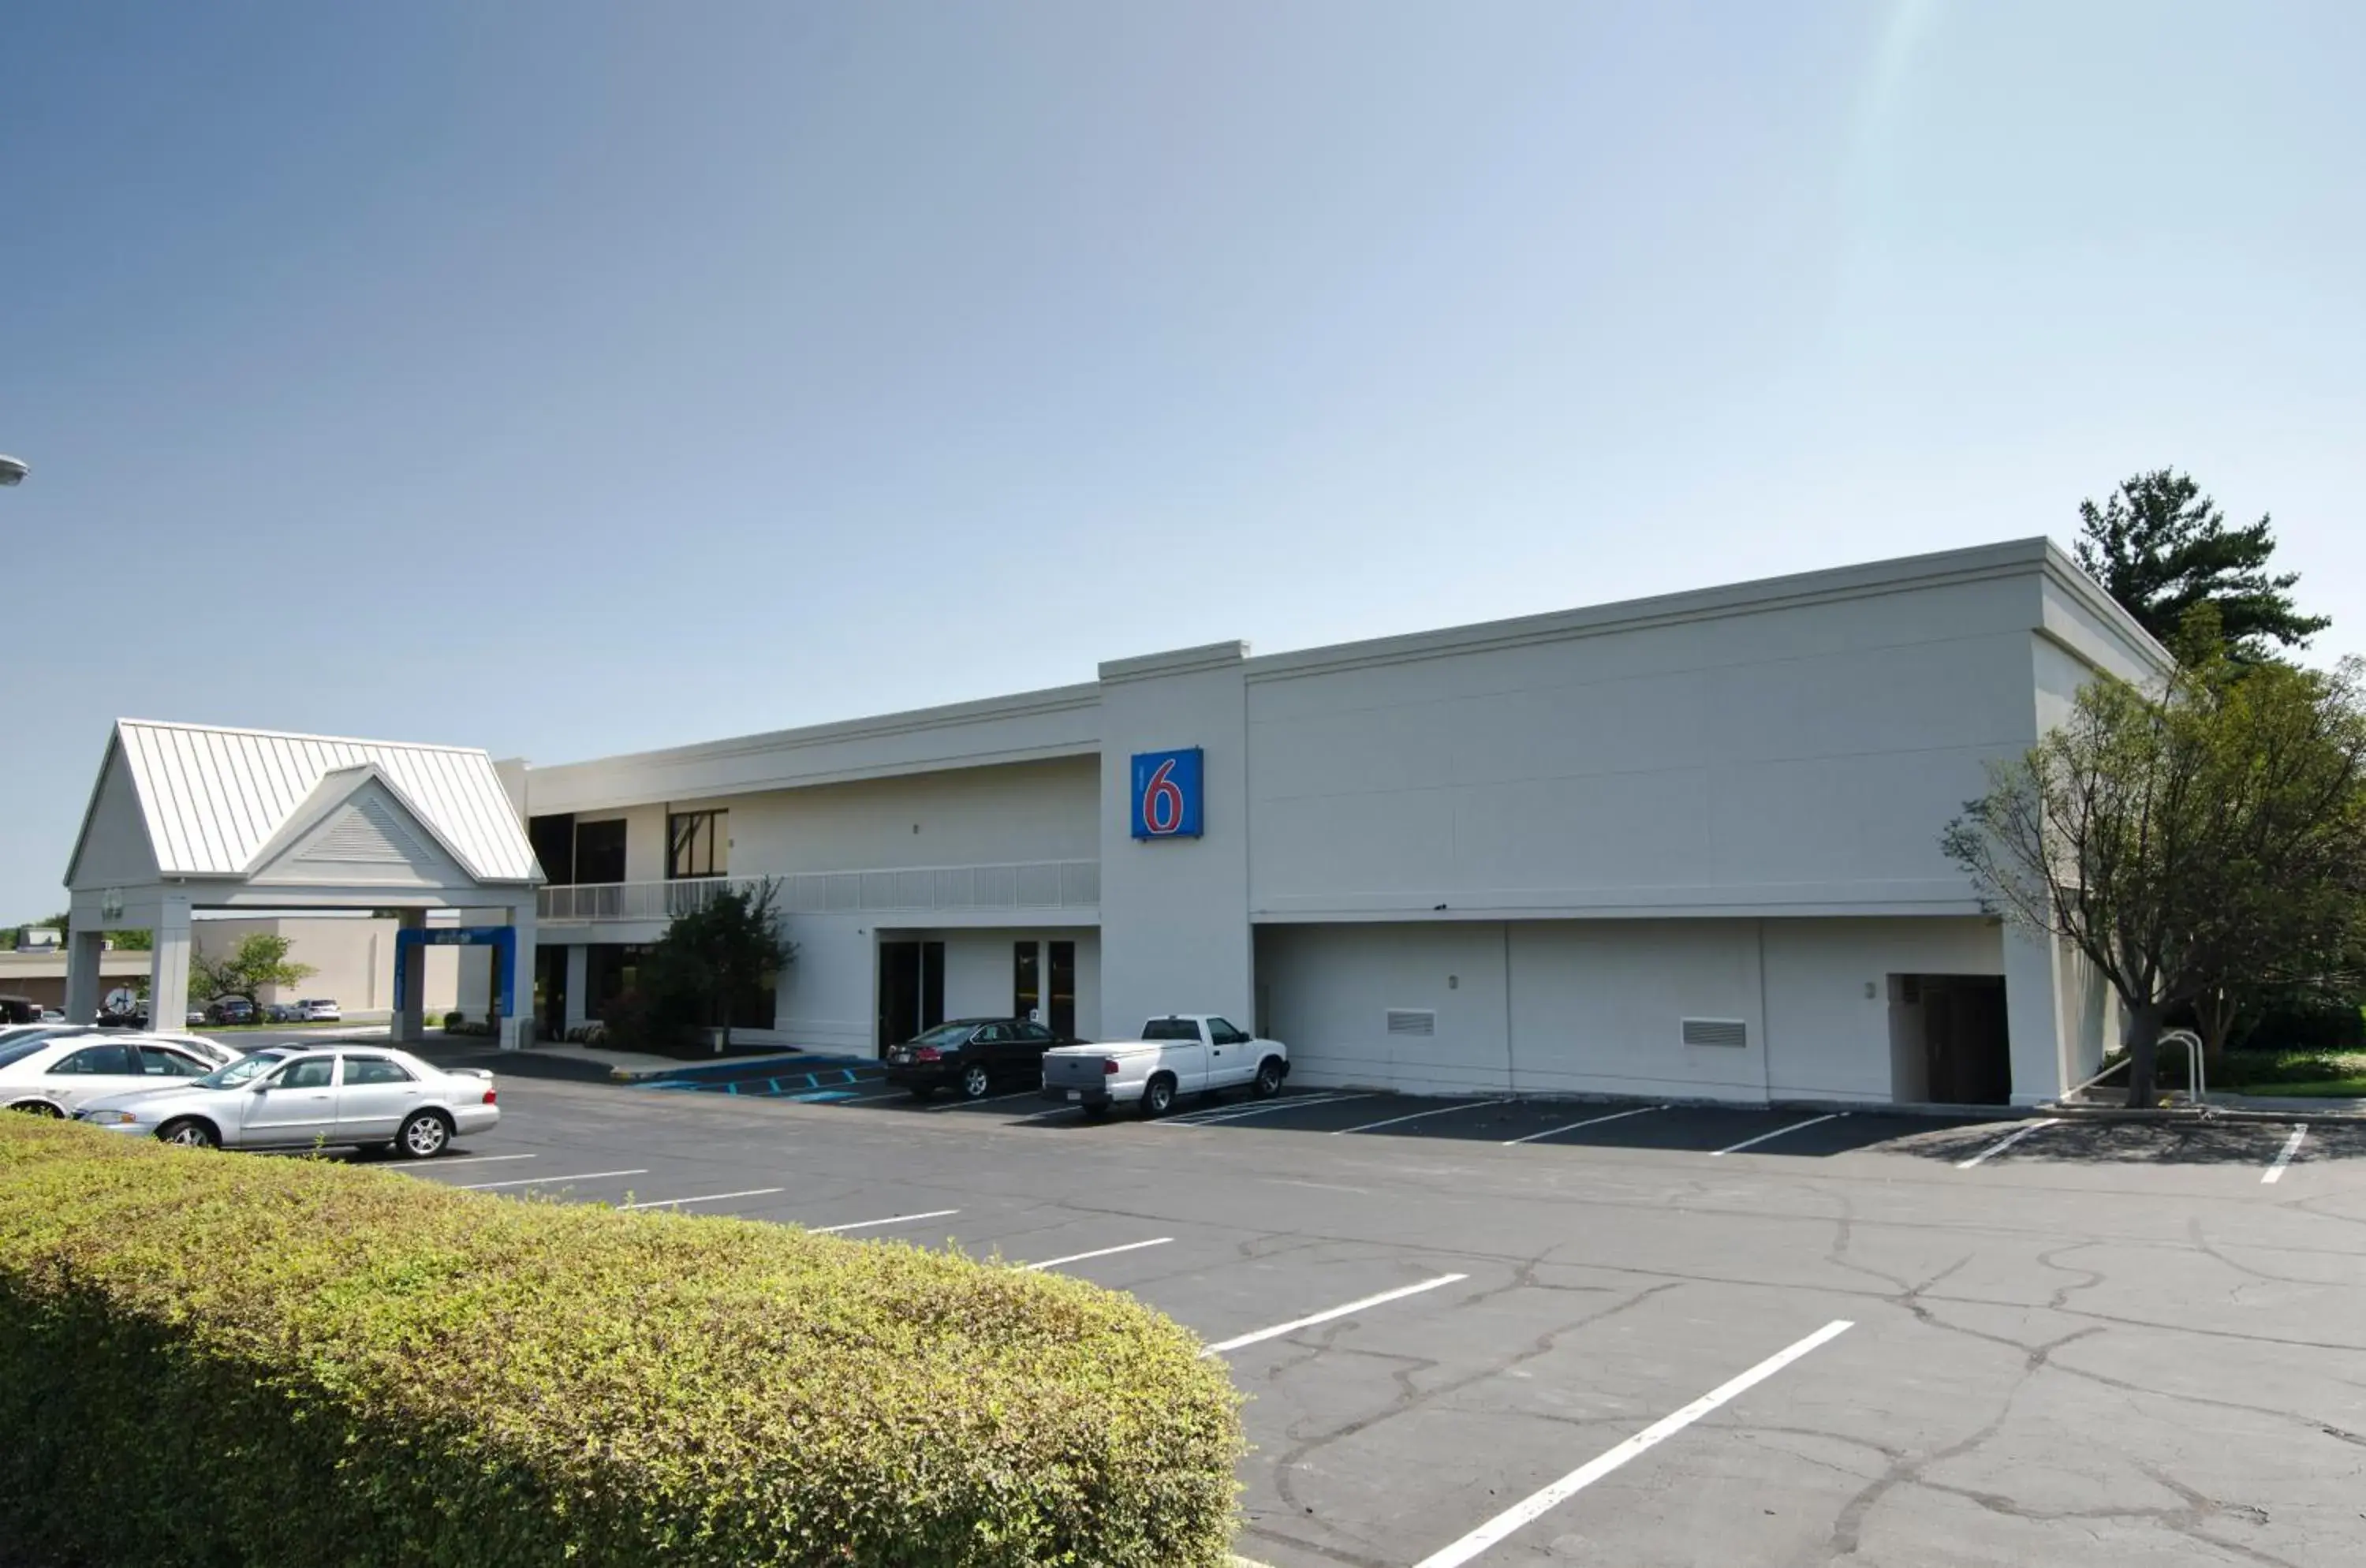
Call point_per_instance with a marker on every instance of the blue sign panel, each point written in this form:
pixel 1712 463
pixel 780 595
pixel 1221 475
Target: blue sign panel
pixel 1166 793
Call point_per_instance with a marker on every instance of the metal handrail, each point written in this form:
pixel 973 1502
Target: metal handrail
pixel 2196 1091
pixel 1005 885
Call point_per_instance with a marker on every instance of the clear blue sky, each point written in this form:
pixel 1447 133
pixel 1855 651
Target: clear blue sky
pixel 566 378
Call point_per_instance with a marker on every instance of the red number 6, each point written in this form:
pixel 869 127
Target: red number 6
pixel 1162 800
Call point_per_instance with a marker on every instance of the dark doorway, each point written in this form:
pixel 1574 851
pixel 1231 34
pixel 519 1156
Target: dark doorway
pixel 1948 1040
pixel 554 845
pixel 550 990
pixel 1063 1018
pixel 599 851
pixel 911 990
pixel 1026 979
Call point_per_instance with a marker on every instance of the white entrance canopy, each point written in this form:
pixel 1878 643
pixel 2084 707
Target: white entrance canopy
pixel 188 816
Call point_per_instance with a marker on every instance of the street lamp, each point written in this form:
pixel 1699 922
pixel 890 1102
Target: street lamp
pixel 12 470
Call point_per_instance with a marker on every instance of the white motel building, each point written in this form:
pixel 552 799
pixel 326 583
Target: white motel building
pixel 1684 847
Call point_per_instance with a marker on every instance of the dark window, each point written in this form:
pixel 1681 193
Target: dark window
pixel 115 1061
pixel 1034 1034
pixel 374 1070
pixel 312 1072
pixel 600 851
pixel 1223 1034
pixel 698 843
pixel 993 1034
pixel 1170 1029
pixel 157 1063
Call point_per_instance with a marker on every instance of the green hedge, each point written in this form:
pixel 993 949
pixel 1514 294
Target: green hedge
pixel 210 1359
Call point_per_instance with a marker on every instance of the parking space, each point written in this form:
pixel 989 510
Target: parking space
pixel 1521 1332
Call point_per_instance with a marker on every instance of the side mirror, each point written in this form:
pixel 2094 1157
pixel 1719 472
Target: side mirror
pixel 260 1088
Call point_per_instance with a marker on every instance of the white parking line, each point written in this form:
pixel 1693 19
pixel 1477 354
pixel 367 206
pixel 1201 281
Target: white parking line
pixel 1586 1475
pixel 550 1180
pixel 710 1197
pixel 2275 1172
pixel 1216 1113
pixel 2007 1142
pixel 989 1099
pixel 1589 1121
pixel 458 1159
pixel 1222 1345
pixel 892 1220
pixel 1104 1252
pixel 1763 1137
pixel 1395 1121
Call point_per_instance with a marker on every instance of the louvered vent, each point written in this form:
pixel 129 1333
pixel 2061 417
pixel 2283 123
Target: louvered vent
pixel 1409 1021
pixel 1717 1032
pixel 366 830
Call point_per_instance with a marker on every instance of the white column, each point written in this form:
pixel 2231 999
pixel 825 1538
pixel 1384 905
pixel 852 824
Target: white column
pixel 410 1003
pixel 579 984
pixel 2033 1010
pixel 519 1028
pixel 168 964
pixel 84 953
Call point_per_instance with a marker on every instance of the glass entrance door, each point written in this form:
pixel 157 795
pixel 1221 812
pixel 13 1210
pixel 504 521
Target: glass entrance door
pixel 1062 1015
pixel 911 990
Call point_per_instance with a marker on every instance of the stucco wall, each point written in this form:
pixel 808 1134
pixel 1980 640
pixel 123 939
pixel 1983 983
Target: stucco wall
pixel 1023 811
pixel 1802 757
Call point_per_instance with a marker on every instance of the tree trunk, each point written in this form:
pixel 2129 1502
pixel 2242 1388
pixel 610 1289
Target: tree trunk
pixel 2144 1055
pixel 2216 1011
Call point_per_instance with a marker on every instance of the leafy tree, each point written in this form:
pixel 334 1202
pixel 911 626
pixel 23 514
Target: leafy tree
pixel 260 958
pixel 2200 839
pixel 2160 547
pixel 721 954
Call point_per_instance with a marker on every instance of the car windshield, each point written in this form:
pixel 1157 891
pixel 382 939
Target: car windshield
pixel 243 1070
pixel 944 1034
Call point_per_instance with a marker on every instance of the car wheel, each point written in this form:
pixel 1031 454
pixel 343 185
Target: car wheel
pixel 190 1134
pixel 1269 1078
pixel 39 1107
pixel 425 1136
pixel 1158 1096
pixel 975 1081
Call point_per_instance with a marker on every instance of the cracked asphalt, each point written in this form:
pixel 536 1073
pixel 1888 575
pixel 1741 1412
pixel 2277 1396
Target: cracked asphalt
pixel 2104 1344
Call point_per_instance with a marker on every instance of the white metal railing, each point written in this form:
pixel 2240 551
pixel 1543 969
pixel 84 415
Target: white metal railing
pixel 1019 885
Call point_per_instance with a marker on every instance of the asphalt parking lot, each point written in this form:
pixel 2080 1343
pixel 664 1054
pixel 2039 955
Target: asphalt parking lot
pixel 1528 1332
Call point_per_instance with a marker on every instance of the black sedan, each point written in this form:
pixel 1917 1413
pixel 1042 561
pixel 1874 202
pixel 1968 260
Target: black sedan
pixel 971 1056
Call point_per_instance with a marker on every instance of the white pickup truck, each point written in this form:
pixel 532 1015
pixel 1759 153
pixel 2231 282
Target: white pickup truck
pixel 1191 1053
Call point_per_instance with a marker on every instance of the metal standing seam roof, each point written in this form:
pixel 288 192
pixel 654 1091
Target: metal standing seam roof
pixel 212 796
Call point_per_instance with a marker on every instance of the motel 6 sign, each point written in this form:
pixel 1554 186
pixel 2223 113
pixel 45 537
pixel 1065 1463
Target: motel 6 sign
pixel 1167 793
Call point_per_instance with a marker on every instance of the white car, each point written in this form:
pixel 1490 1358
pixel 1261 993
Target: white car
pixel 320 1010
pixel 59 1076
pixel 1194 1053
pixel 355 1095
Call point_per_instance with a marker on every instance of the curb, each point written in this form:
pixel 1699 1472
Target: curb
pixel 2212 1115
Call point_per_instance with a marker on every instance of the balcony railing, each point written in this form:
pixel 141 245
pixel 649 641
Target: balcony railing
pixel 1020 884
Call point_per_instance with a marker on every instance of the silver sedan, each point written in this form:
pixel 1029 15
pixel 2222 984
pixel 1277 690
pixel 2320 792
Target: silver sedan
pixel 357 1095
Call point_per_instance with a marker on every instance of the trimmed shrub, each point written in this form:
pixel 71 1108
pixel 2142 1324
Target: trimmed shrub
pixel 453 1021
pixel 212 1359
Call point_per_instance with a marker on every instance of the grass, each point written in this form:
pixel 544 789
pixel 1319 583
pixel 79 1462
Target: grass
pixel 2353 1088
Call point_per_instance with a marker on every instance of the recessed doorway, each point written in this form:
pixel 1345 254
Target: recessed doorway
pixel 1948 1040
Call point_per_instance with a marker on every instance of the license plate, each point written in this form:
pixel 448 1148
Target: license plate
pixel 1076 1094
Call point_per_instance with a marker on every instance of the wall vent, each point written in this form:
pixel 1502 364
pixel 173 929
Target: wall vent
pixel 1412 1021
pixel 1717 1032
